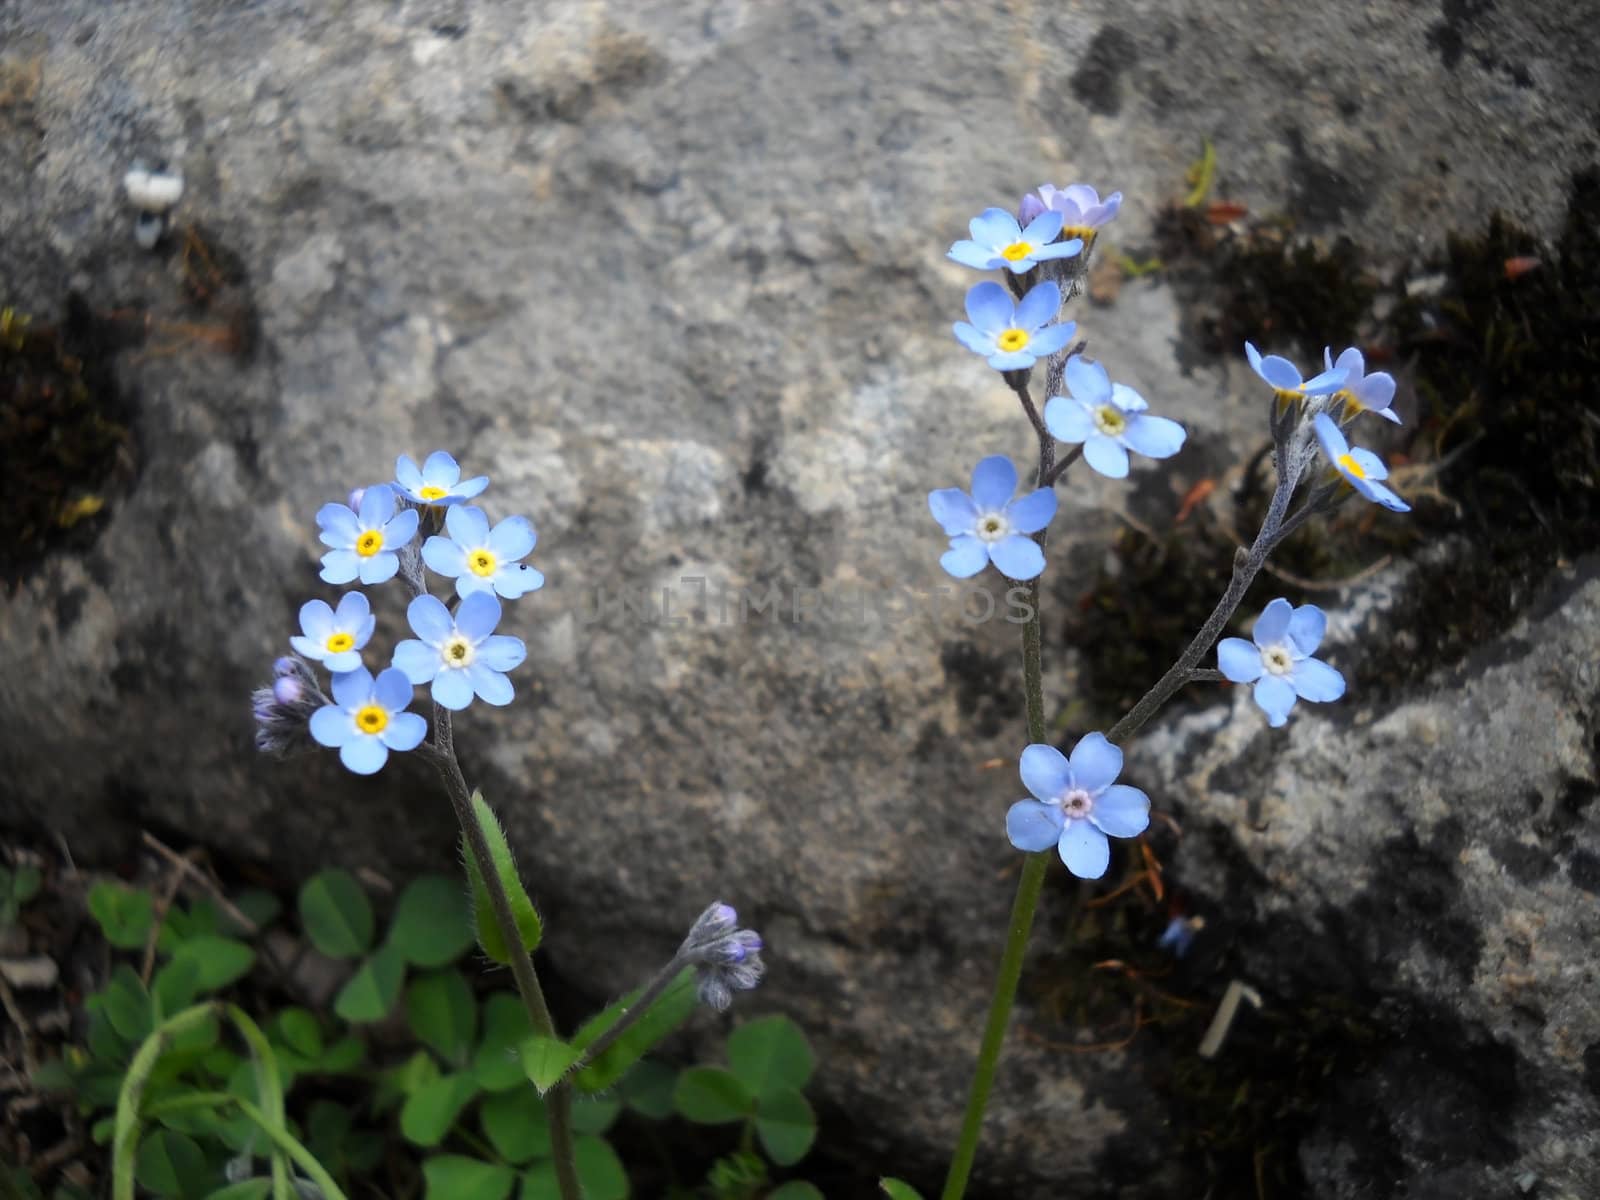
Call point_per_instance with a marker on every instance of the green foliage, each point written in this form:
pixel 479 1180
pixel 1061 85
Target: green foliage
pixel 454 1177
pixel 712 1096
pixel 431 927
pixel 545 1060
pixel 443 1014
pixel 370 994
pixel 336 914
pixel 669 1011
pixel 898 1189
pixel 125 914
pixel 17 886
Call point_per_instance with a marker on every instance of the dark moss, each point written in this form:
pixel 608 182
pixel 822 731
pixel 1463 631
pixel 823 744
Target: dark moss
pixel 63 432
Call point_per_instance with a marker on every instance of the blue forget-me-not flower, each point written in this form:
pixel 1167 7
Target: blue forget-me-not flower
pixel 1285 379
pixel 989 526
pixel 367 719
pixel 1014 334
pixel 461 655
pixel 334 637
pixel 365 541
pixel 1279 662
pixel 483 560
pixel 1082 211
pixel 1109 419
pixel 1077 804
pixel 438 481
pixel 999 241
pixel 1362 392
pixel 1361 469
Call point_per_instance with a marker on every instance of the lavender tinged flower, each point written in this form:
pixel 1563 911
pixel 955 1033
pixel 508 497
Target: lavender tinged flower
pixel 1362 392
pixel 989 526
pixel 283 709
pixel 335 637
pixel 461 655
pixel 1280 662
pixel 1013 335
pixel 726 959
pixel 438 481
pixel 1361 469
pixel 999 242
pixel 1109 419
pixel 1077 804
pixel 364 541
pixel 1082 211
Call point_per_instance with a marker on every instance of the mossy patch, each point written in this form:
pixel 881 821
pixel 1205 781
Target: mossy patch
pixel 63 433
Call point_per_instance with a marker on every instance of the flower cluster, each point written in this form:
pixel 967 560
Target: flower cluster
pixel 372 539
pixel 726 959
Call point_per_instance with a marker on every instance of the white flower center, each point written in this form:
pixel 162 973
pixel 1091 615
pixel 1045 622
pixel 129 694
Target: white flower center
pixel 1276 659
pixel 1075 803
pixel 456 652
pixel 1108 419
pixel 992 526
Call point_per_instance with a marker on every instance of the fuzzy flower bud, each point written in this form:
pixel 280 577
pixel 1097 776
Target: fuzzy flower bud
pixel 283 710
pixel 726 959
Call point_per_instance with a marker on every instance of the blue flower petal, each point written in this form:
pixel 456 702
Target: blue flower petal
pixel 1306 628
pixel 1096 763
pixel 1067 419
pixel 1040 306
pixel 405 731
pixel 1045 771
pixel 954 510
pixel 994 482
pixel 452 689
pixel 1067 249
pixel 1042 230
pixel 353 611
pixel 331 726
pixel 392 689
pixel 1018 557
pixel 1087 381
pixel 477 615
pixel 316 619
pixel 1033 826
pixel 1272 626
pixel 400 529
pixel 1031 513
pixel 343 661
pixel 989 307
pixel 972 338
pixel 1049 340
pixel 1278 371
pixel 419 661
pixel 1128 400
pixel 340 566
pixel 1332 441
pixel 364 754
pixel 1275 696
pixel 377 506
pixel 994 227
pixel 513 538
pixel 1316 681
pixel 515 580
pixel 380 568
pixel 430 619
pixel 1379 494
pixel 1323 384
pixel 306 648
pixel 1153 437
pixel 971 254
pixel 1239 660
pixel 440 470
pixel 339 524
pixel 467 489
pixel 1107 456
pixel 1121 811
pixel 502 652
pixel 491 686
pixel 966 557
pixel 407 474
pixel 1371 465
pixel 1084 849
pixel 467 524
pixel 352 689
pixel 443 556
pixel 1016 360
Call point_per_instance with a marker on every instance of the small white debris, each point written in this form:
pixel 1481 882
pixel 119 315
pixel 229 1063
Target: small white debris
pixel 153 191
pixel 29 974
pixel 148 228
pixel 1218 1029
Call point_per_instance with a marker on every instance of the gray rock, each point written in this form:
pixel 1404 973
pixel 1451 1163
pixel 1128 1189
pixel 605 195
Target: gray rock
pixel 671 275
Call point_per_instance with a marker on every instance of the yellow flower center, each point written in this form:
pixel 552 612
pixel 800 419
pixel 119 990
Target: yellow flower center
pixel 1017 251
pixel 1352 406
pixel 1109 420
pixel 338 643
pixel 1012 340
pixel 481 563
pixel 432 493
pixel 1286 397
pixel 1349 463
pixel 372 718
pixel 456 652
pixel 1068 232
pixel 369 543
